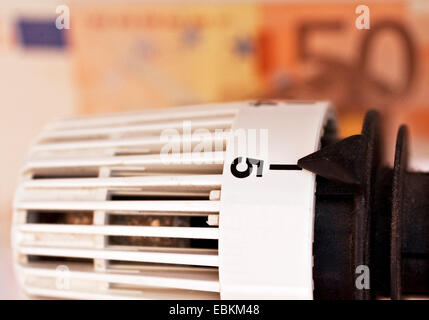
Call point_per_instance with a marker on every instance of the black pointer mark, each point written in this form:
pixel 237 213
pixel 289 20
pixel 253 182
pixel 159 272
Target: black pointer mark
pixel 284 167
pixel 263 102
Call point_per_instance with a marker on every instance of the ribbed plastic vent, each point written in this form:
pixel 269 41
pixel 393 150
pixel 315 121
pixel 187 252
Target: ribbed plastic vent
pixel 98 214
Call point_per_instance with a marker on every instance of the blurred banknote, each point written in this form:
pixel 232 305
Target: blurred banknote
pixel 316 51
pixel 132 55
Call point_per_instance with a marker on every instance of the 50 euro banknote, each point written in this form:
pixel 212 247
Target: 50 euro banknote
pixel 131 55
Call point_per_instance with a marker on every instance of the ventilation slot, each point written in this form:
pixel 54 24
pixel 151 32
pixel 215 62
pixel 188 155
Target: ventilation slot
pixel 99 203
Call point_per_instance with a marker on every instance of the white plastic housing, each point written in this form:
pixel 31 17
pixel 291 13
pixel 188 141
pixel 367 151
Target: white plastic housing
pixel 149 205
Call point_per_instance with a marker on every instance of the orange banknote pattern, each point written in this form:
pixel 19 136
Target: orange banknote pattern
pixel 131 56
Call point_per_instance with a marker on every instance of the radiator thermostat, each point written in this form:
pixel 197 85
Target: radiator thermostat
pixel 248 200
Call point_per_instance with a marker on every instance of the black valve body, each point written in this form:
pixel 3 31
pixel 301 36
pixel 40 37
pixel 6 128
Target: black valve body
pixel 368 215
